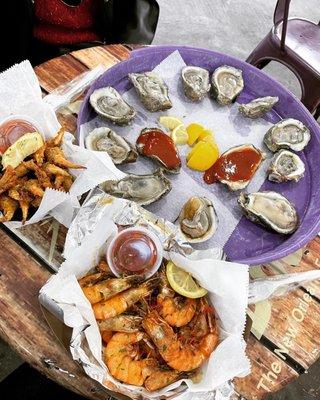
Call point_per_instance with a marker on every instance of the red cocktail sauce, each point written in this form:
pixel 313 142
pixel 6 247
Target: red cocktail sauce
pixel 133 252
pixel 234 166
pixel 12 130
pixel 157 143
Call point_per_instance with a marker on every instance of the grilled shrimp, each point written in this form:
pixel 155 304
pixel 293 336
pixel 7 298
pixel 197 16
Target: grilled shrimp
pixel 121 323
pixel 122 357
pixel 176 310
pixel 109 287
pixel 171 347
pixel 122 301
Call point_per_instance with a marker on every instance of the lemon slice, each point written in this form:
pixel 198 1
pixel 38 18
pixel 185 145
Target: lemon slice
pixel 26 145
pixel 170 122
pixel 183 283
pixel 180 135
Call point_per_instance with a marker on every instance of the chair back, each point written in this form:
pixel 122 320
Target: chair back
pixel 281 14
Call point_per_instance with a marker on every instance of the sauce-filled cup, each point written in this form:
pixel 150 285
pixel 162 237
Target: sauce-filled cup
pixel 15 126
pixel 135 251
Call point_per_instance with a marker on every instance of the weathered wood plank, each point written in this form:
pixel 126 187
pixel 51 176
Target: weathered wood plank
pixel 94 56
pixel 269 373
pixel 294 320
pixel 57 71
pixel 118 50
pixel 23 326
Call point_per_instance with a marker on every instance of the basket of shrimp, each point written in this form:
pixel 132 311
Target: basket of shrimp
pixel 149 321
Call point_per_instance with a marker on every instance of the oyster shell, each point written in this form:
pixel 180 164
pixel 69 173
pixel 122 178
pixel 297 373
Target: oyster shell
pixel 152 90
pixel 118 148
pixel 285 166
pixel 196 83
pixel 143 189
pixel 271 210
pixel 198 220
pixel 236 166
pixel 258 107
pixel 155 144
pixel 287 134
pixel 108 103
pixel 226 83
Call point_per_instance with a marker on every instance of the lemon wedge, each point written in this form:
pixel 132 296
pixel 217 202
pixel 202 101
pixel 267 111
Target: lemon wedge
pixel 183 283
pixel 170 122
pixel 26 145
pixel 194 130
pixel 180 135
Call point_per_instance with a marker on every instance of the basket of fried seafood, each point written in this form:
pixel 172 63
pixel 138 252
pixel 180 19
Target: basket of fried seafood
pixel 30 166
pixel 147 334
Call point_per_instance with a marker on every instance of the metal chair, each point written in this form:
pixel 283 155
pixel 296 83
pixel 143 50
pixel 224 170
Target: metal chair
pixel 295 43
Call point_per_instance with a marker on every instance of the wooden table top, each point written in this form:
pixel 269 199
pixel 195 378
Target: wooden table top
pixel 284 340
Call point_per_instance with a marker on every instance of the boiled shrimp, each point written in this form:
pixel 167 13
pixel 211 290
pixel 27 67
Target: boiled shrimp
pixel 176 310
pixel 122 301
pixel 128 364
pixel 123 360
pixel 121 323
pixel 198 326
pixel 176 354
pixel 92 279
pixel 161 377
pixel 109 287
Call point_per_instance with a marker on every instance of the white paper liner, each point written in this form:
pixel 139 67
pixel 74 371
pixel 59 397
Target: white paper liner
pixel 21 95
pixel 230 129
pixel 226 282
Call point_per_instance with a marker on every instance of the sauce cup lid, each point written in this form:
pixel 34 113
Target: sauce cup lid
pixel 152 236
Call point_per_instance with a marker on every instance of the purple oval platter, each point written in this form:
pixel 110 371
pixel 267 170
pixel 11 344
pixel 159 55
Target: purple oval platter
pixel 249 243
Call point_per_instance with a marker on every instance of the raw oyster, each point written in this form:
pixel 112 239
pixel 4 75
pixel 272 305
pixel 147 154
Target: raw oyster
pixel 152 90
pixel 118 148
pixel 287 134
pixel 198 220
pixel 227 83
pixel 258 107
pixel 236 166
pixel 270 209
pixel 108 103
pixel 286 166
pixel 196 83
pixel 143 189
pixel 155 144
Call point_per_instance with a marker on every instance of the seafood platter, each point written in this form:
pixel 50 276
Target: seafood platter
pixel 201 160
pixel 210 144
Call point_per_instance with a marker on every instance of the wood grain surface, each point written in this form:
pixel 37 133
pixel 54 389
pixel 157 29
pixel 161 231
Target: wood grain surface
pixel 284 340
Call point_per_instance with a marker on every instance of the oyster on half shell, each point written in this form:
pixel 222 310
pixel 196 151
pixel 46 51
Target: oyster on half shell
pixel 152 90
pixel 258 107
pixel 198 220
pixel 196 82
pixel 119 149
pixel 155 144
pixel 109 104
pixel 285 166
pixel 227 83
pixel 287 134
pixel 271 210
pixel 143 189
